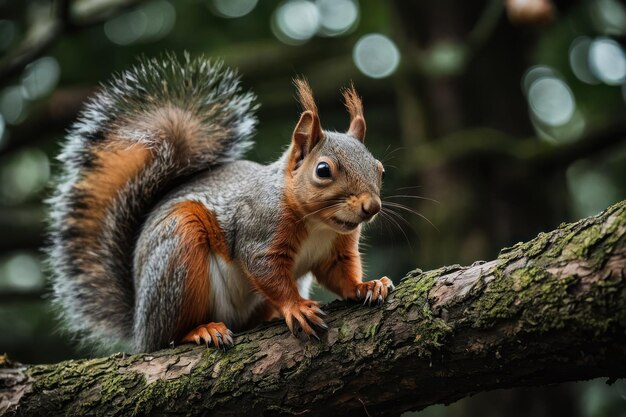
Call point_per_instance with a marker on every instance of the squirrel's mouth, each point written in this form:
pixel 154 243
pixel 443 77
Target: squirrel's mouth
pixel 344 225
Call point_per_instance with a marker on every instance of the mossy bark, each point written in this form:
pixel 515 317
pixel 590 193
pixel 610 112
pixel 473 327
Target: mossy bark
pixel 549 310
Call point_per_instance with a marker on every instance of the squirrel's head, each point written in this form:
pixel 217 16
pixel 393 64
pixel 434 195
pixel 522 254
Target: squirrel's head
pixel 333 178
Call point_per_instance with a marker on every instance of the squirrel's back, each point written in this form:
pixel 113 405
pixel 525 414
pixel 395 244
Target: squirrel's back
pixel 146 130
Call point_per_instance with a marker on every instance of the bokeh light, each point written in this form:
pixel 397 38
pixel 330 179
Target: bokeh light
pixel 550 99
pixel 24 175
pixel 13 105
pixel 579 60
pixel 337 16
pixel 376 55
pixel 536 73
pixel 233 8
pixel 22 271
pixel 296 21
pixel 147 23
pixel 40 77
pixel 607 61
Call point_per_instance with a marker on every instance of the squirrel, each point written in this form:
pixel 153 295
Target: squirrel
pixel 161 233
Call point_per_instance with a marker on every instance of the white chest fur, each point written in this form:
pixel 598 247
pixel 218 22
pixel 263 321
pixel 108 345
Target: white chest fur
pixel 314 248
pixel 233 298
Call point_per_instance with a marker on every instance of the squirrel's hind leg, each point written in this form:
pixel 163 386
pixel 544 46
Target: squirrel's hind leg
pixel 173 281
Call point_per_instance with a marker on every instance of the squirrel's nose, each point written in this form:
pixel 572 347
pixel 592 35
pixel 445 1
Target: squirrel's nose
pixel 370 207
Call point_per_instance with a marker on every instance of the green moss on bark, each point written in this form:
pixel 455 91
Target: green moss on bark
pixel 566 287
pixel 414 295
pixel 523 288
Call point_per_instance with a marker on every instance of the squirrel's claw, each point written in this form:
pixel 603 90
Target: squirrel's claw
pixel 216 334
pixel 306 313
pixel 320 311
pixel 368 298
pixel 314 334
pixel 375 290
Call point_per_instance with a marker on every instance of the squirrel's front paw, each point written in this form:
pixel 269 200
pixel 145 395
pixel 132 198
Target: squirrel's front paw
pixel 211 333
pixel 306 313
pixel 375 290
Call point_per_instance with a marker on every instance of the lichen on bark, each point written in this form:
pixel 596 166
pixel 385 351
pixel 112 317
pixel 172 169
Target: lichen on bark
pixel 544 311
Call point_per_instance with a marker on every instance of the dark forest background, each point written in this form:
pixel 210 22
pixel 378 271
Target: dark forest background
pixel 495 120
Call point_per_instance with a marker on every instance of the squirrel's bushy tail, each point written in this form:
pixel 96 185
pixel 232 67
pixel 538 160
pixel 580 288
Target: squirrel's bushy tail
pixel 150 126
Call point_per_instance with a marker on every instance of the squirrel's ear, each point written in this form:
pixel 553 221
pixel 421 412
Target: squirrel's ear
pixel 355 108
pixel 306 135
pixel 357 128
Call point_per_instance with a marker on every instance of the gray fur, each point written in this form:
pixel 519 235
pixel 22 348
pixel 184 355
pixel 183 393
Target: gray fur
pixel 123 278
pixel 245 199
pixel 355 160
pixel 93 283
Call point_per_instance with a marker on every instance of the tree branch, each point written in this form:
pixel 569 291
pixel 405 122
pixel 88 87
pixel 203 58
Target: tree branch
pixel 549 310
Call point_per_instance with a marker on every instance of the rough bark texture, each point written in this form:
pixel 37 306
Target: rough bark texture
pixel 549 310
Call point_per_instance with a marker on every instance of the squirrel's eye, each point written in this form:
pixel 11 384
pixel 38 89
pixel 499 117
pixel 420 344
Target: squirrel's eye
pixel 382 175
pixel 323 170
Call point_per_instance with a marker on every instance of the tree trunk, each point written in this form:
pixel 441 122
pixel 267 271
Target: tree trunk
pixel 549 310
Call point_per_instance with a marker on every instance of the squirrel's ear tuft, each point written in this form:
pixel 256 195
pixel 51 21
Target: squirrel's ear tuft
pixel 305 136
pixel 355 108
pixel 305 96
pixel 308 131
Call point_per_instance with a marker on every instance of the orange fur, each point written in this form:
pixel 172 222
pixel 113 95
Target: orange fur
pixel 355 108
pixel 115 163
pixel 305 96
pixel 216 334
pixel 352 101
pixel 278 286
pixel 277 282
pixel 342 271
pixel 308 131
pixel 200 234
pixel 118 160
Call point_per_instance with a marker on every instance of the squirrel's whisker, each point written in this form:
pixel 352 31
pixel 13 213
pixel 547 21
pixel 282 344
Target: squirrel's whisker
pixel 409 187
pixel 332 206
pixel 403 207
pixel 388 156
pixel 417 197
pixel 386 215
